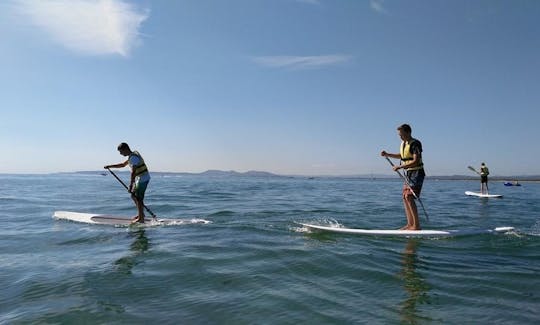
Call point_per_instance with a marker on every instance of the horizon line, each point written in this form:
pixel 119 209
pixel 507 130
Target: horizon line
pixel 361 175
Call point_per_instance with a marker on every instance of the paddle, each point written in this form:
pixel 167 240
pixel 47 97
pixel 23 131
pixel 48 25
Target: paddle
pixel 474 170
pixel 145 207
pixel 409 185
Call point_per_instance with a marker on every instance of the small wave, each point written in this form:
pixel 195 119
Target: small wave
pixel 324 221
pixel 176 222
pixel 535 229
pixel 223 213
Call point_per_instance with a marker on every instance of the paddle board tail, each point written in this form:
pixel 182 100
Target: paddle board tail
pixel 470 193
pixel 405 233
pixel 104 219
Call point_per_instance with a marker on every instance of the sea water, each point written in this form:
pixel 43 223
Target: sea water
pixel 253 264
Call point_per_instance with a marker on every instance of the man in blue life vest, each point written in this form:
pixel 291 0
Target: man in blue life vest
pixel 140 177
pixel 410 155
pixel 484 172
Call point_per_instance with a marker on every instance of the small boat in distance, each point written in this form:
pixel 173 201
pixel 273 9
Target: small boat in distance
pixel 514 183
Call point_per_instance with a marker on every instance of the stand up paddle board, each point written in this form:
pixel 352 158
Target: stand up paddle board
pixel 104 219
pixel 483 195
pixel 406 233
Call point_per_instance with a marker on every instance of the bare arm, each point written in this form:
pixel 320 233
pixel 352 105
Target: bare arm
pixel 391 155
pixel 119 165
pixel 132 181
pixel 412 163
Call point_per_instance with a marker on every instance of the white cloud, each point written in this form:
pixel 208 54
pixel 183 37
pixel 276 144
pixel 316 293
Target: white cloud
pixel 90 27
pixel 301 62
pixel 311 2
pixel 377 5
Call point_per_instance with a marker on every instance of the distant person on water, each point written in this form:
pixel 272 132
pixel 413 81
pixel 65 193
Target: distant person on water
pixel 140 177
pixel 484 172
pixel 410 154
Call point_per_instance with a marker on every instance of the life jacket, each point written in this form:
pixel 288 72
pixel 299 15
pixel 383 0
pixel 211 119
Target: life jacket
pixel 484 171
pixel 406 155
pixel 141 167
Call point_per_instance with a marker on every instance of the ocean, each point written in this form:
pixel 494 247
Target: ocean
pixel 253 264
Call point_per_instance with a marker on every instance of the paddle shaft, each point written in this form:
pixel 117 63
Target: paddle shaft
pixel 474 170
pixel 409 186
pixel 121 182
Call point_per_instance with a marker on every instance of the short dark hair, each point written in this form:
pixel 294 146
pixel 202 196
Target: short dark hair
pixel 123 146
pixel 405 127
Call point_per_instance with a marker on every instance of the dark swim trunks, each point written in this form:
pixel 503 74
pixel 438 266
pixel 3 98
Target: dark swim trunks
pixel 416 180
pixel 140 189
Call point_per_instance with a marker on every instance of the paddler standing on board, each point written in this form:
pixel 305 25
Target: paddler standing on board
pixel 140 177
pixel 411 157
pixel 484 172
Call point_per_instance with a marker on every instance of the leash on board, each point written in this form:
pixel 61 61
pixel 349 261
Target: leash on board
pixel 410 187
pixel 127 189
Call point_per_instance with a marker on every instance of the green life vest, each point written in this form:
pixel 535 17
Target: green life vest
pixel 141 167
pixel 406 155
pixel 484 171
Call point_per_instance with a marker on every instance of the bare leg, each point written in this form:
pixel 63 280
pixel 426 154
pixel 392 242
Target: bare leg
pixel 408 214
pixel 140 209
pixel 413 223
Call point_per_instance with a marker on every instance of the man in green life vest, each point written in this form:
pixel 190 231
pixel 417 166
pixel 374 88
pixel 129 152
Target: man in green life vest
pixel 410 155
pixel 484 172
pixel 140 177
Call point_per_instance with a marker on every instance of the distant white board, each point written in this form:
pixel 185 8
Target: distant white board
pixel 483 195
pixel 104 219
pixel 406 233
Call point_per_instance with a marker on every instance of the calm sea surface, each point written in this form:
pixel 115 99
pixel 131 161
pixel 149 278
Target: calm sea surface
pixel 254 265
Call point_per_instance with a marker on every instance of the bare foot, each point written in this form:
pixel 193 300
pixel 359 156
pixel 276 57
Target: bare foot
pixel 406 227
pixel 137 219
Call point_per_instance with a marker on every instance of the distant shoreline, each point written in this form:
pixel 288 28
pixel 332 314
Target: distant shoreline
pixel 232 173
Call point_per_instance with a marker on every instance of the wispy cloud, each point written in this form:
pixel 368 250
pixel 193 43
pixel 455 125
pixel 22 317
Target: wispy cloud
pixel 311 2
pixel 301 62
pixel 377 6
pixel 90 27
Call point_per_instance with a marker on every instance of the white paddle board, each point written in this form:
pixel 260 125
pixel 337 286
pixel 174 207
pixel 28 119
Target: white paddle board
pixel 483 195
pixel 406 233
pixel 104 219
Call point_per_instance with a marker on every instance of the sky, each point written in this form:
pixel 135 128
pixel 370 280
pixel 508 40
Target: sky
pixel 303 87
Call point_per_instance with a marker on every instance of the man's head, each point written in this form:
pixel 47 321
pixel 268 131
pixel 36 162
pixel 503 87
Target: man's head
pixel 124 149
pixel 404 131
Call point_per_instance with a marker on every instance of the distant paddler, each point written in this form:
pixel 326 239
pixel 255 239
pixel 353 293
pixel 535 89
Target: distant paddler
pixel 483 173
pixel 140 177
pixel 410 154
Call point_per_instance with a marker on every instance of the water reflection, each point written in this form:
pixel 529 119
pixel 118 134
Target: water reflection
pixel 139 245
pixel 483 209
pixel 414 284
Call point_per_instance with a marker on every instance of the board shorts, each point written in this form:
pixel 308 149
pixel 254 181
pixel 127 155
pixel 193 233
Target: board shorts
pixel 483 179
pixel 139 189
pixel 416 180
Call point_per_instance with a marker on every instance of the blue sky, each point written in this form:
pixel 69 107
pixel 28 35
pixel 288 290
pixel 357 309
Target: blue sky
pixel 289 86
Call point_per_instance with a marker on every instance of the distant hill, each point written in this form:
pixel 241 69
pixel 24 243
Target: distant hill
pixel 211 173
pixel 523 178
pixel 221 173
pixel 255 173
